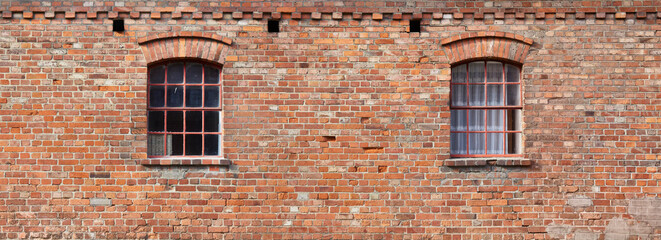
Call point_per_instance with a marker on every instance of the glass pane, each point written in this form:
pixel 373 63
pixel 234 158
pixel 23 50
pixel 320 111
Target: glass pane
pixel 193 96
pixel 211 75
pixel 495 95
pixel 156 96
pixel 476 72
pixel 193 73
pixel 458 143
pixel 476 120
pixel 476 143
pixel 476 95
pixel 175 96
pixel 175 121
pixel 513 95
pixel 156 121
pixel 512 73
pixel 459 74
pixel 495 143
pixel 459 95
pixel 157 74
pixel 193 144
pixel 155 144
pixel 176 73
pixel 458 120
pixel 495 120
pixel 175 144
pixel 211 144
pixel 513 119
pixel 211 96
pixel 193 121
pixel 513 143
pixel 211 123
pixel 494 72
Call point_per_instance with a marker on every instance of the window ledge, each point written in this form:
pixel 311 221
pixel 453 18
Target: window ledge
pixel 186 161
pixel 496 161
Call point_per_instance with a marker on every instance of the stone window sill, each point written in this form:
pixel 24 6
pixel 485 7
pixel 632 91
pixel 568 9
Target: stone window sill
pixel 493 161
pixel 186 161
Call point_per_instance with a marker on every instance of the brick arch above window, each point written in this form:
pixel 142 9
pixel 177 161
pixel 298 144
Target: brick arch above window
pixel 206 46
pixel 481 45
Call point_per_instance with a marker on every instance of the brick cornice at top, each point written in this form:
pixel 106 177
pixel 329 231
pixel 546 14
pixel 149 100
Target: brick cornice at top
pixel 377 10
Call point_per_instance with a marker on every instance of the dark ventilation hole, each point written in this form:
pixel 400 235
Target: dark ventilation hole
pixel 118 25
pixel 414 26
pixel 327 139
pixel 274 26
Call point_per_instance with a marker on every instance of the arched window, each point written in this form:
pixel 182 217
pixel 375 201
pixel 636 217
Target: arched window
pixel 184 110
pixel 485 109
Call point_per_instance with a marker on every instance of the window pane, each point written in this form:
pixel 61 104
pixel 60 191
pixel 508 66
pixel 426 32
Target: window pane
pixel 156 96
pixel 155 144
pixel 495 143
pixel 494 72
pixel 193 121
pixel 476 143
pixel 458 120
pixel 193 144
pixel 459 74
pixel 175 121
pixel 459 95
pixel 211 75
pixel 512 73
pixel 476 72
pixel 211 96
pixel 156 121
pixel 476 95
pixel 495 120
pixel 476 120
pixel 157 74
pixel 175 144
pixel 176 73
pixel 193 96
pixel 513 143
pixel 513 120
pixel 211 121
pixel 495 95
pixel 211 144
pixel 193 73
pixel 513 95
pixel 458 143
pixel 175 96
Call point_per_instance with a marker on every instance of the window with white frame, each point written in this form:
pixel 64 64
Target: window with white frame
pixel 485 107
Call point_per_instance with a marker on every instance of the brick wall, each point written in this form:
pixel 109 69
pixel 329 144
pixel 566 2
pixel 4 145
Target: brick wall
pixel 336 127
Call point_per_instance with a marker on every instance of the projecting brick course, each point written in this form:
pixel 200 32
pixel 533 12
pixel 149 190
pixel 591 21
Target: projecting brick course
pixel 336 127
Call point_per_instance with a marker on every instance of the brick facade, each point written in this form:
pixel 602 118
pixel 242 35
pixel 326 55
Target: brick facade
pixel 336 127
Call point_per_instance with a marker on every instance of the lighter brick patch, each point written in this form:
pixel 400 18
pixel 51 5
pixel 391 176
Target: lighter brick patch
pixel 646 210
pixel 558 231
pixel 578 201
pixel 618 229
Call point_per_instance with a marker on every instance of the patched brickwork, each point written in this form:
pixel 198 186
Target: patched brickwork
pixel 336 127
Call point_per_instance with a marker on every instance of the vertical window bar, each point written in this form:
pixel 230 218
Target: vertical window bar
pixel 165 115
pixel 466 111
pixel 204 112
pixel 183 82
pixel 486 74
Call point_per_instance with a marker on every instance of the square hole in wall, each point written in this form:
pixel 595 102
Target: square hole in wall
pixel 414 26
pixel 274 26
pixel 118 25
